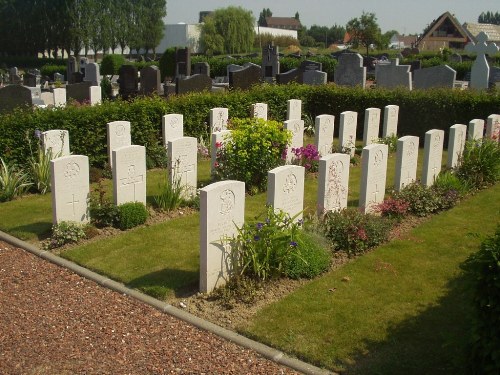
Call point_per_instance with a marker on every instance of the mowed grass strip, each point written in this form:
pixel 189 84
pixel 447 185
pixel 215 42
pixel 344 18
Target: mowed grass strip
pixel 403 308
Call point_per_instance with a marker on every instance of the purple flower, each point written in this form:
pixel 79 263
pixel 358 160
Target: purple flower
pixel 256 238
pixel 38 133
pixel 259 226
pixel 293 244
pixel 300 221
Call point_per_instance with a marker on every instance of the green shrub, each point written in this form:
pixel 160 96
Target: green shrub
pixel 351 231
pixel 131 215
pixel 110 64
pixel 167 63
pixel 480 164
pixel 255 147
pixel 40 170
pixel 13 182
pixel 49 70
pixel 65 232
pixel 484 270
pixel 422 200
pixel 170 197
pixel 103 213
pixel 395 209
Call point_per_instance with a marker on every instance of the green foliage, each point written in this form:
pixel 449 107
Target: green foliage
pixel 278 40
pixel 131 215
pixel 353 232
pixel 49 70
pixel 254 148
pixel 395 209
pixel 480 165
pixel 103 213
pixel 66 232
pixel 111 63
pixel 448 180
pixel 364 30
pixel 170 196
pixel 40 170
pixel 13 182
pixel 167 63
pixel 484 270
pixel 391 142
pixel 422 200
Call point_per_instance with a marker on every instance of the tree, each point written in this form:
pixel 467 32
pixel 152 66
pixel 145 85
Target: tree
pixel 364 30
pixel 232 25
pixel 297 16
pixel 262 16
pixel 489 17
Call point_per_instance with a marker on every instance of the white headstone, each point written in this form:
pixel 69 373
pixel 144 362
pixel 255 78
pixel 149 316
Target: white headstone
pixel 218 119
pixel 297 129
pixel 371 127
pixel 456 144
pixel 95 95
pixel 285 189
pixel 433 154
pixel 493 127
pixel 333 182
pixel 172 126
pixel 390 127
pixel 59 97
pixel 183 167
pixel 259 110
pixel 475 130
pixel 218 139
pixel 222 210
pixel 323 135
pixel 70 189
pixel 347 131
pixel 118 136
pixel 406 161
pixel 48 98
pixel 373 177
pixel 57 142
pixel 294 109
pixel 129 174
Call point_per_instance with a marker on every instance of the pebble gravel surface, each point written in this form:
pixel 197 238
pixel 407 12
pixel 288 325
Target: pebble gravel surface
pixel 53 321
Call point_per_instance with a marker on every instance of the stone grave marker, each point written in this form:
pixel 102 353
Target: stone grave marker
pixel 456 144
pixel 76 77
pixel 393 75
pixel 59 97
pixel 12 96
pixel 233 68
pixel 31 80
pixel 371 126
pixel 58 77
pixel 118 136
pixel 92 74
pixel 222 210
pixel 293 75
pixel 129 174
pixel 270 62
pixel 297 129
pixel 182 62
pixel 323 135
pixel 294 109
pixel 347 131
pixel 182 159
pixel 415 65
pixel 95 95
pixel 310 65
pixel 493 127
pixel 333 182
pixel 455 58
pixel 218 140
pixel 201 68
pixel 172 127
pixel 79 91
pixel 436 76
pixel 150 80
pixel 48 98
pixel 56 142
pixel 285 189
pixel 480 71
pixel 406 161
pixel 433 154
pixel 245 78
pixel 373 176
pixel 475 130
pixel 350 70
pixel 15 78
pixel 83 64
pixel 259 110
pixel 194 83
pixel 128 82
pixel 71 67
pixel 70 189
pixel 218 119
pixel 391 116
pixel 314 77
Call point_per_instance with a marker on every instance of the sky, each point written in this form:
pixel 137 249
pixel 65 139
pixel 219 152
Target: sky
pixel 406 17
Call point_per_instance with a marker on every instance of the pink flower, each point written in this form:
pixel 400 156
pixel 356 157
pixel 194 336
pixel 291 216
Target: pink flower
pixel 218 144
pixel 216 164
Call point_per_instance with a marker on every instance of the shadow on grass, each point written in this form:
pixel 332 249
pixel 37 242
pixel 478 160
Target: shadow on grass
pixel 39 230
pixel 161 284
pixel 433 342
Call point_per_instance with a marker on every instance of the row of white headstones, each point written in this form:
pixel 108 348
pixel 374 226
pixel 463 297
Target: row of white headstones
pixel 222 203
pixel 57 97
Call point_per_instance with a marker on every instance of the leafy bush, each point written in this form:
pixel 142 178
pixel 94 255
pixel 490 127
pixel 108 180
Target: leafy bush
pixel 308 157
pixel 111 63
pixel 103 213
pixel 351 231
pixel 13 182
pixel 131 215
pixel 484 269
pixel 393 208
pixel 170 197
pixel 255 147
pixel 49 70
pixel 40 170
pixel 480 164
pixel 391 142
pixel 64 233
pixel 448 180
pixel 422 200
pixel 167 63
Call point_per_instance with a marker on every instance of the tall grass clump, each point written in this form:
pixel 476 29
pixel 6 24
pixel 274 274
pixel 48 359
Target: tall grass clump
pixel 13 182
pixel 480 166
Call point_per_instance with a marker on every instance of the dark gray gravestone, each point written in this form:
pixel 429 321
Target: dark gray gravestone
pixel 15 78
pixel 293 75
pixel 494 79
pixel 77 77
pixel 150 80
pixel 350 70
pixel 310 65
pixel 415 65
pixel 245 78
pixel 78 91
pixel 201 68
pixel 58 77
pixel 314 77
pixel 270 62
pixel 369 63
pixel 71 67
pixel 128 81
pixel 182 62
pixel 393 75
pixel 194 83
pixel 13 96
pixel 436 76
pixel 31 80
pixel 455 58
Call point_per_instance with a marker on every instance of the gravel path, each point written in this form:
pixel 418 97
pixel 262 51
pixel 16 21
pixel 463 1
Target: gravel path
pixel 55 322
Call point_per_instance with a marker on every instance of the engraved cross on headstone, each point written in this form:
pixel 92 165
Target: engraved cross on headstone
pixel 375 193
pixel 132 179
pixel 480 69
pixel 72 202
pixel 183 169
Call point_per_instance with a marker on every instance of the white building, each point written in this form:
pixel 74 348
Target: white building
pixel 181 35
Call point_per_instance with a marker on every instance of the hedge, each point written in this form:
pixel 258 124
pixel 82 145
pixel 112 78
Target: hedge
pixel 419 112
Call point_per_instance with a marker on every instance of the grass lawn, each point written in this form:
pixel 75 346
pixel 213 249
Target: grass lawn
pixel 405 308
